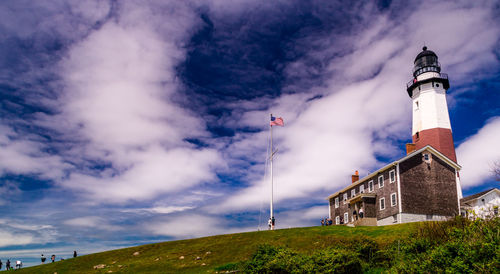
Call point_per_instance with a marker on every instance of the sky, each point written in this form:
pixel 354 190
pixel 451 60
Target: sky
pixel 131 122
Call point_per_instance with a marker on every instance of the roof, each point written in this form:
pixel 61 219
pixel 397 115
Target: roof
pixel 424 52
pixel 369 176
pixel 477 195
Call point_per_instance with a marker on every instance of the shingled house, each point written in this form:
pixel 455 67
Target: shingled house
pixel 423 185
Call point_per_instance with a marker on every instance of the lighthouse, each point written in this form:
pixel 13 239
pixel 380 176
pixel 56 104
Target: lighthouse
pixel 431 121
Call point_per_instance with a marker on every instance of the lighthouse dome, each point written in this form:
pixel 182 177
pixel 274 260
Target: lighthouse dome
pixel 426 61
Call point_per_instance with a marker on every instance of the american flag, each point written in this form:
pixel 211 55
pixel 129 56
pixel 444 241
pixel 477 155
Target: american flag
pixel 276 121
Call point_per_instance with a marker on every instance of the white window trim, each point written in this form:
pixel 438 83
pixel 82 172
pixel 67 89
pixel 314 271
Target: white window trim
pixel 337 220
pixel 396 199
pixel 337 202
pixel 353 192
pixel 370 189
pixel 344 198
pixel 362 189
pixel 346 217
pixel 426 155
pixel 392 178
pixel 380 203
pixel 378 180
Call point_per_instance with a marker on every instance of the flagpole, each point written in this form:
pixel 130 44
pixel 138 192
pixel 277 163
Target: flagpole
pixel 272 187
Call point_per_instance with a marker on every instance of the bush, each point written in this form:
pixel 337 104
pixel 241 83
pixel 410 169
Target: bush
pixel 456 246
pixel 270 259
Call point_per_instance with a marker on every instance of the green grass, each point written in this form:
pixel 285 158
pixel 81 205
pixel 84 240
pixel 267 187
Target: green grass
pixel 217 252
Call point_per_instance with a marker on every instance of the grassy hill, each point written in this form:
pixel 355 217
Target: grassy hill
pixel 205 255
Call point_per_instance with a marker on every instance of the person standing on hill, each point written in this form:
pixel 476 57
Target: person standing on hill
pixel 74 254
pixel 7 264
pixel 42 258
pixel 53 258
pixel 1 264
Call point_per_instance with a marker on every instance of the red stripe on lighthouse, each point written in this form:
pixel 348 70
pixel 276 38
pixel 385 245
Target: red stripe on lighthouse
pixel 439 138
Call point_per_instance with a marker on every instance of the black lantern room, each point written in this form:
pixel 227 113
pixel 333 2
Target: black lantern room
pixel 426 61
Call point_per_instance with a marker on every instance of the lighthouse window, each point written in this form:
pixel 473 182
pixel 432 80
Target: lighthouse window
pixel 437 85
pixel 416 105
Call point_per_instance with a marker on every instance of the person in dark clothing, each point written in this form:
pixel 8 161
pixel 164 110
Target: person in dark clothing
pixel 322 222
pixel 7 265
pixel 53 258
pixel 42 258
pixel 74 254
pixel 1 264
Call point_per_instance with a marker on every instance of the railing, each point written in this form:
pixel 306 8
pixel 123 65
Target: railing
pixel 414 80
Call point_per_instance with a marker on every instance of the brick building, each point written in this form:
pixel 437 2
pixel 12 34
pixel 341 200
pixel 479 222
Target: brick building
pixel 423 185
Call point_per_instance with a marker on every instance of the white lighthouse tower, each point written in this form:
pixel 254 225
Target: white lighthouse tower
pixel 431 121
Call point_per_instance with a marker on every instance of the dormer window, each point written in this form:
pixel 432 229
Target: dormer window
pixel 426 157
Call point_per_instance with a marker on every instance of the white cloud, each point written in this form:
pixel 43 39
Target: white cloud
pixel 7 238
pixel 92 222
pixel 478 154
pixel 188 226
pixel 118 88
pixel 21 156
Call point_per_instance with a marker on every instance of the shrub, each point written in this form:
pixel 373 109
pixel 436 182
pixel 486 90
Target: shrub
pixel 270 259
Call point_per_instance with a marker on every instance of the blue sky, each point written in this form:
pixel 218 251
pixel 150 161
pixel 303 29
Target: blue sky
pixel 124 123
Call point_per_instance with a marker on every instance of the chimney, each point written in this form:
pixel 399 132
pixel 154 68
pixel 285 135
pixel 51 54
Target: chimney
pixel 355 177
pixel 410 148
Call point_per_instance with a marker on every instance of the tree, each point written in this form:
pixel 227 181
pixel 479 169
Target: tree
pixel 496 170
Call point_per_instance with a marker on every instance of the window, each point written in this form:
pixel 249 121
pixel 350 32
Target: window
pixel 362 189
pixel 345 197
pixel 428 216
pixel 336 202
pixel 370 186
pixel 346 218
pixel 337 220
pixel 393 199
pixel 416 137
pixel 426 157
pixel 353 192
pixel 382 203
pixel 416 105
pixel 392 175
pixel 381 181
